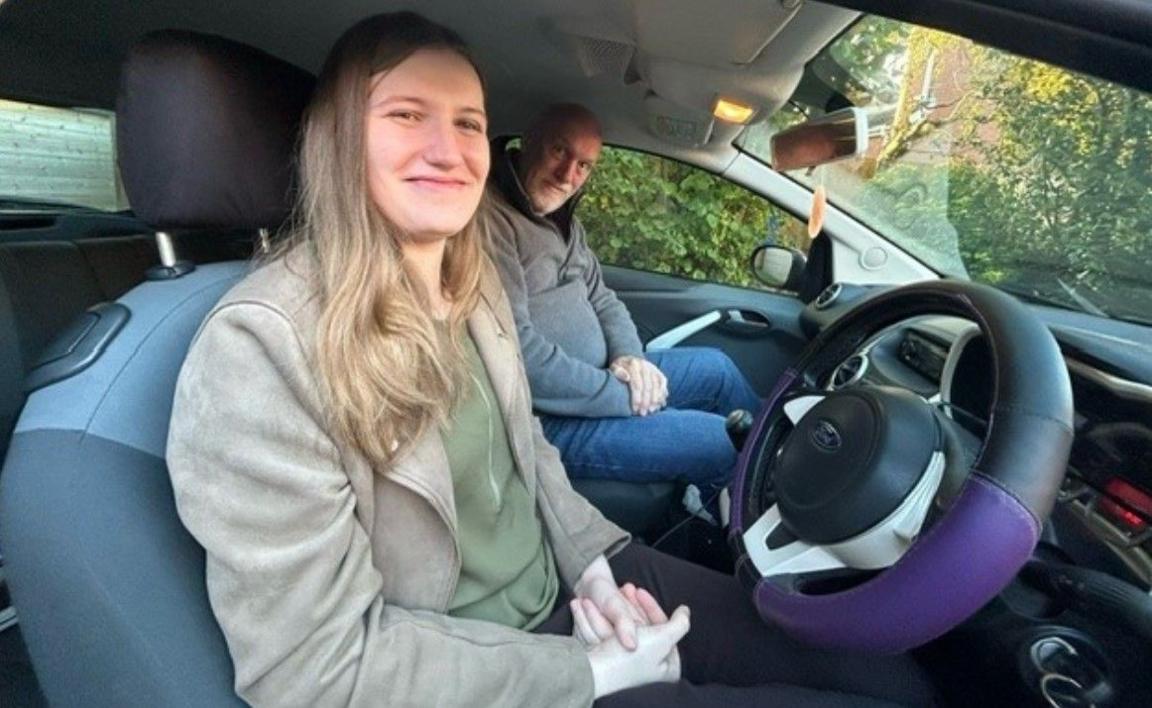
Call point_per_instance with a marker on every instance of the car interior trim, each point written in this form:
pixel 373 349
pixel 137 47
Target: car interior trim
pixel 676 335
pixel 1122 387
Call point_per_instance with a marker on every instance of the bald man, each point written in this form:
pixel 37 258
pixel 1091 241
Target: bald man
pixel 612 411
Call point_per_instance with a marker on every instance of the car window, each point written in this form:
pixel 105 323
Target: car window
pixel 989 166
pixel 58 157
pixel 654 214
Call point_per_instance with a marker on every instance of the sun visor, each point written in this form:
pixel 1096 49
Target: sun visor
pixel 733 33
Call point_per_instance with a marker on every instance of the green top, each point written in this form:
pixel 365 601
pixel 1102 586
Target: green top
pixel 507 572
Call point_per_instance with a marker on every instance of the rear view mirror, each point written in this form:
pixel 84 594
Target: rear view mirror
pixel 836 136
pixel 779 266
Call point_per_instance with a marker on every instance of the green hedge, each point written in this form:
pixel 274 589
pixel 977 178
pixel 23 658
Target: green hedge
pixel 654 214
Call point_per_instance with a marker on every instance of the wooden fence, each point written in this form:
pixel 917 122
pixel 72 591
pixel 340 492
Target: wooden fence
pixel 60 155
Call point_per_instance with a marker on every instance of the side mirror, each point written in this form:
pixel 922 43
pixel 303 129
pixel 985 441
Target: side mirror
pixel 836 136
pixel 779 266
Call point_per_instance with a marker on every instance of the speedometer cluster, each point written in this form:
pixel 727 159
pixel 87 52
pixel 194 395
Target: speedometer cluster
pixel 924 354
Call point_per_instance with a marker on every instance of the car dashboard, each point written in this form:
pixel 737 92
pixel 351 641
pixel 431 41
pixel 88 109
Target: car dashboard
pixel 1102 523
pixel 1109 480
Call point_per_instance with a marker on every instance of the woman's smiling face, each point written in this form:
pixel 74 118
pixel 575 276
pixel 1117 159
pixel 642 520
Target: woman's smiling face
pixel 426 144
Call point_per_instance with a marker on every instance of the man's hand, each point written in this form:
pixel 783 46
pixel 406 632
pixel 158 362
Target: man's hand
pixel 647 384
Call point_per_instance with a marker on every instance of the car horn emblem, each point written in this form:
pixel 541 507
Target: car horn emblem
pixel 826 437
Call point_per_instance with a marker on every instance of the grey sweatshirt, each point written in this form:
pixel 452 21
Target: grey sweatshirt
pixel 571 325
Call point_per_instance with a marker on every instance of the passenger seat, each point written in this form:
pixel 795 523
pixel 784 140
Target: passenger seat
pixel 109 586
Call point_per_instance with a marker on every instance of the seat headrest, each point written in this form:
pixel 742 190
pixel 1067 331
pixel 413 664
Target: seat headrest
pixel 206 132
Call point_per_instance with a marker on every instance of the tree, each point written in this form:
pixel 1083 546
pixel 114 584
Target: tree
pixel 1032 176
pixel 650 213
pixel 1072 180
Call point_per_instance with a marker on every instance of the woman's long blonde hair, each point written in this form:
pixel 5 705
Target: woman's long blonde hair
pixel 386 376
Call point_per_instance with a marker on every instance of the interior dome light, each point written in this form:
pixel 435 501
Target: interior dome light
pixel 732 111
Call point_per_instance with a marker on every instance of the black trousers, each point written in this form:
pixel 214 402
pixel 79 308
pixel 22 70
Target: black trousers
pixel 731 657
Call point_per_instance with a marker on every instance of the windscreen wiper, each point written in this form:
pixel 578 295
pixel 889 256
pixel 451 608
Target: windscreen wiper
pixel 1086 304
pixel 1077 305
pixel 1034 297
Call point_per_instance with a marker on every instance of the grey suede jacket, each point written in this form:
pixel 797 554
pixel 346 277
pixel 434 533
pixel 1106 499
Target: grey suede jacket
pixel 571 325
pixel 330 578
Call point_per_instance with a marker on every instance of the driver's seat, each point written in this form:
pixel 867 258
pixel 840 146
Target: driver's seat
pixel 108 585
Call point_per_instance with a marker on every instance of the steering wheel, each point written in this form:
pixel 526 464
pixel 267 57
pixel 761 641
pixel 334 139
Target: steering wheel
pixel 876 486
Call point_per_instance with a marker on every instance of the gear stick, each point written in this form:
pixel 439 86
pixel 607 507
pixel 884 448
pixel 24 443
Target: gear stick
pixel 738 423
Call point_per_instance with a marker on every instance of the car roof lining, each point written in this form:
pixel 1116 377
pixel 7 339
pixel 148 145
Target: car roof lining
pixel 612 55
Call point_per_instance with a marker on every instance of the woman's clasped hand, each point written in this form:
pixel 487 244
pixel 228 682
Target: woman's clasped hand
pixel 639 648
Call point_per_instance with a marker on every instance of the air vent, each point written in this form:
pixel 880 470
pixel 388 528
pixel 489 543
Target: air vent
pixel 828 296
pixel 850 371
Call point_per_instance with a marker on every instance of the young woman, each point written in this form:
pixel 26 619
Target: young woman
pixel 353 445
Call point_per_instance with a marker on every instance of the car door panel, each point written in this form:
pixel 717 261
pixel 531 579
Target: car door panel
pixel 759 330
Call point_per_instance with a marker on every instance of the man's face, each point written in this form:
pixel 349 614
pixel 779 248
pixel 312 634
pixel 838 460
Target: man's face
pixel 560 164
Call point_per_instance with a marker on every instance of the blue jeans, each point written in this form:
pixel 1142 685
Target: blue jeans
pixel 685 442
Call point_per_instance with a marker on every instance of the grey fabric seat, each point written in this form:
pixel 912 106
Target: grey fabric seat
pixel 108 585
pixel 44 285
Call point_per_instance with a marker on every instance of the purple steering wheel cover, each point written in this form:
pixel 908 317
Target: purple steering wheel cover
pixel 947 575
pixel 744 461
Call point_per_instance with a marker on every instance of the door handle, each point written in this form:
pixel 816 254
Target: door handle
pixel 742 322
pixel 747 319
pixel 745 323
